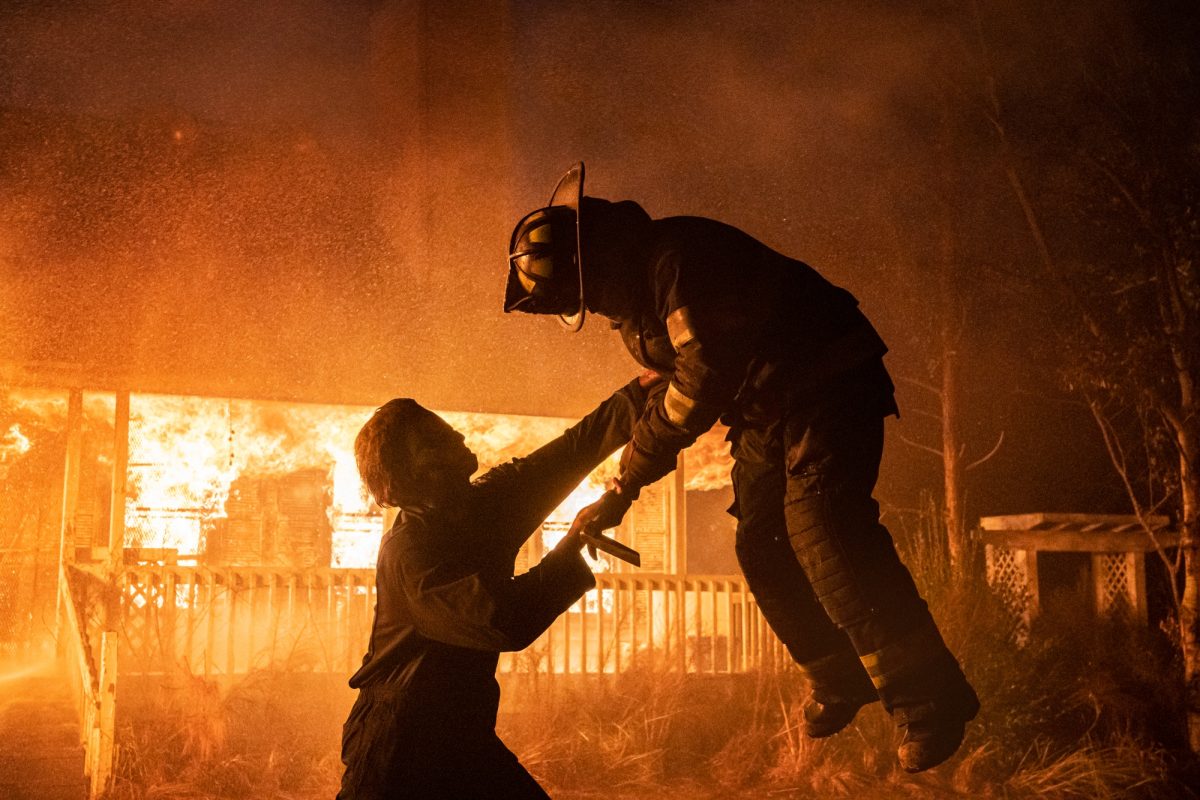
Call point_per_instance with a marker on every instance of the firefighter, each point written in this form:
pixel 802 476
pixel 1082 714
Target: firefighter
pixel 423 725
pixel 789 362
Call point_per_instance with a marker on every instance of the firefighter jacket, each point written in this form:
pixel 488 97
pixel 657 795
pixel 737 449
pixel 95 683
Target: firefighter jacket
pixel 740 329
pixel 448 602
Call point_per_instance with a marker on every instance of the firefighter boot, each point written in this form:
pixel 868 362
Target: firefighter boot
pixel 923 686
pixel 840 687
pixel 934 731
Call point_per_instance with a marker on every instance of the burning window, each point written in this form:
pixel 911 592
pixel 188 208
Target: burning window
pixel 258 482
pixel 254 483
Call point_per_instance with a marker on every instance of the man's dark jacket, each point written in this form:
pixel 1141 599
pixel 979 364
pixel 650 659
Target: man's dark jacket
pixel 448 602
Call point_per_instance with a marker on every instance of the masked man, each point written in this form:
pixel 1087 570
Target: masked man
pixel 423 726
pixel 788 360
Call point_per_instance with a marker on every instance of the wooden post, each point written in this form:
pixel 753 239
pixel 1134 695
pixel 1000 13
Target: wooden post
pixel 712 648
pixel 650 638
pixel 170 610
pixel 106 724
pixel 66 539
pixel 252 618
pixel 120 474
pixel 210 623
pixel 681 618
pixel 583 633
pixel 1137 578
pixel 618 620
pixel 566 618
pixel 231 593
pixel 1100 599
pixel 107 666
pixel 601 653
pixel 1030 558
pixel 677 524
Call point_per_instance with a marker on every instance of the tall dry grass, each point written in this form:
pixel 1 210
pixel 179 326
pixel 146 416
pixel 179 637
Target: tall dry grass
pixel 270 734
pixel 1080 708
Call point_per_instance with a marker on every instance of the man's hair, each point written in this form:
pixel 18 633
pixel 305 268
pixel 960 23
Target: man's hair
pixel 384 447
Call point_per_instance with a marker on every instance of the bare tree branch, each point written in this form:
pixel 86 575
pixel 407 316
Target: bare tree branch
pixel 995 449
pixel 1116 454
pixel 921 384
pixel 927 414
pixel 920 446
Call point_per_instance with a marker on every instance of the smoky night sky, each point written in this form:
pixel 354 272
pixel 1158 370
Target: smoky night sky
pixel 312 200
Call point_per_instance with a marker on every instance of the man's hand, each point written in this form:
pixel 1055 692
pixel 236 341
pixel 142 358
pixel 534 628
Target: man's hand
pixel 599 516
pixel 605 513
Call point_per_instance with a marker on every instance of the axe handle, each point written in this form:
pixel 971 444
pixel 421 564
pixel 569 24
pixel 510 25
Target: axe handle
pixel 612 547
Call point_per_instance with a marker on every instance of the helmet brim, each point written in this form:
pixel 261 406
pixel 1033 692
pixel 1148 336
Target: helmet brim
pixel 569 189
pixel 569 192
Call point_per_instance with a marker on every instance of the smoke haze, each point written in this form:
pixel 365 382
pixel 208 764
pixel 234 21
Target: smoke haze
pixel 313 200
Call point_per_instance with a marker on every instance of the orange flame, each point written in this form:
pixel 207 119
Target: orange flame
pixel 186 452
pixel 706 463
pixel 13 443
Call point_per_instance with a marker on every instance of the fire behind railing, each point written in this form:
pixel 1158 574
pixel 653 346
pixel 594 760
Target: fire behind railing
pixel 89 654
pixel 230 621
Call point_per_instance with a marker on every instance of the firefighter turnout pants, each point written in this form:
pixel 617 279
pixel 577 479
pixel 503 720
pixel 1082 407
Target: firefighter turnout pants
pixel 822 568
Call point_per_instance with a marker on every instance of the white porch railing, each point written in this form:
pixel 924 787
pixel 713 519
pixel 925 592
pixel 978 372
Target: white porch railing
pixel 229 621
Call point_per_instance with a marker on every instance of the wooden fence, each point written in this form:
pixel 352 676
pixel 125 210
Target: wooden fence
pixel 230 621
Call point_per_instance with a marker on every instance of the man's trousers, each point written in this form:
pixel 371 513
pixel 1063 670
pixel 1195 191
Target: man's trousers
pixel 392 752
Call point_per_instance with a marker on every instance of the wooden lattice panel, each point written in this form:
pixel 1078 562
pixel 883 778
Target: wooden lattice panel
pixel 1006 570
pixel 1116 581
pixel 1013 575
pixel 141 641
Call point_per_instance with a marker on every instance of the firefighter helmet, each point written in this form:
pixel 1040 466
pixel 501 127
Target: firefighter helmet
pixel 545 263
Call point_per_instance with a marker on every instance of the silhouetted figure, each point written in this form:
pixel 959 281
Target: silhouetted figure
pixel 786 358
pixel 423 725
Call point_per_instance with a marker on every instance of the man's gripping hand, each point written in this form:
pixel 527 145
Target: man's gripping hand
pixel 605 513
